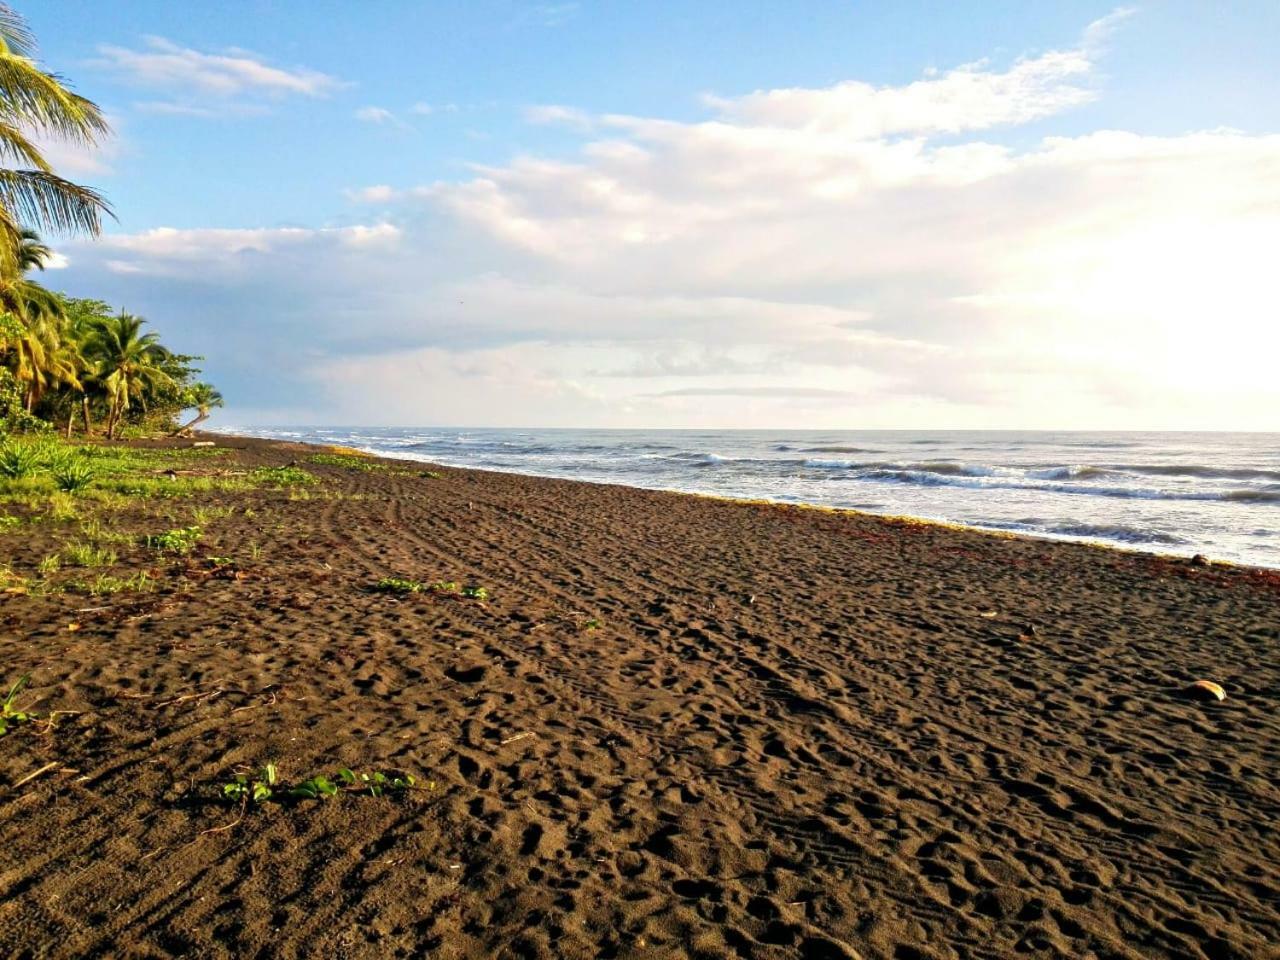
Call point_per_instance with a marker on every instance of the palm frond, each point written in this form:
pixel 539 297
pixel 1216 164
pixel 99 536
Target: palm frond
pixel 15 35
pixel 15 145
pixel 51 202
pixel 29 95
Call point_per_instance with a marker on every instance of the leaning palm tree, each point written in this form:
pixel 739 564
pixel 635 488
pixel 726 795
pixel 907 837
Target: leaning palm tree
pixel 203 397
pixel 128 363
pixel 35 103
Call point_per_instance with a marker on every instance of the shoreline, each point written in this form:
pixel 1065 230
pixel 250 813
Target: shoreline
pixel 996 531
pixel 641 724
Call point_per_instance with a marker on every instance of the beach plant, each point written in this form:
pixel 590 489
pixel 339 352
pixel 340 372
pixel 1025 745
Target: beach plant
pixel 11 715
pixel 18 460
pixel 593 624
pixel 80 554
pixel 72 476
pixel 8 522
pixel 475 593
pixel 398 585
pixel 376 783
pixel 258 789
pixel 178 540
pixel 50 563
pixel 282 476
pixel 446 586
pixel 430 474
pixel 266 785
pixel 347 461
pixel 106 584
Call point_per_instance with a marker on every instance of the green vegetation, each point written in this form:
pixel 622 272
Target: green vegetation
pixel 398 585
pixel 282 476
pixel 180 540
pixel 105 584
pixel 11 715
pixel 593 624
pixel 79 554
pixel 347 461
pixel 446 587
pixel 64 359
pixel 266 785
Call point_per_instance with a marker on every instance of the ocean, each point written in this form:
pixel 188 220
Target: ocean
pixel 1178 493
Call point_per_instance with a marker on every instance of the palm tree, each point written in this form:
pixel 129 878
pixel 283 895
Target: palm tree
pixel 35 102
pixel 129 365
pixel 203 397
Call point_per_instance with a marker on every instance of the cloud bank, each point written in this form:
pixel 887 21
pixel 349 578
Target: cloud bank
pixel 853 255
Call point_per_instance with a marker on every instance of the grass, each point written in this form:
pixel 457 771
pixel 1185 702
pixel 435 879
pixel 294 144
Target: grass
pixel 282 476
pixel 179 540
pixel 8 522
pixel 346 460
pixel 446 587
pixel 266 785
pixel 81 554
pixel 106 584
pixel 11 715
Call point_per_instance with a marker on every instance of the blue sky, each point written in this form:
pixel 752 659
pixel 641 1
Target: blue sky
pixel 598 213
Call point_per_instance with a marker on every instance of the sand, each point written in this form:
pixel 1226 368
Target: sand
pixel 678 727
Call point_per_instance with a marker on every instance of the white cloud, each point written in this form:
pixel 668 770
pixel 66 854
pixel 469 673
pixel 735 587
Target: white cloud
pixel 199 83
pixel 855 254
pixel 375 115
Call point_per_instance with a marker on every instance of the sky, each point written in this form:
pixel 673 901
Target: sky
pixel 705 214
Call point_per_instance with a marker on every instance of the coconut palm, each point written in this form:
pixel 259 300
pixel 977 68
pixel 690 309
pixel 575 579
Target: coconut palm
pixel 203 397
pixel 129 365
pixel 36 103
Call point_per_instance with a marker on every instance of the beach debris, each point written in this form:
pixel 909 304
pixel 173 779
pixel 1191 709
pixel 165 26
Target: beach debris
pixel 1199 560
pixel 204 443
pixel 1206 690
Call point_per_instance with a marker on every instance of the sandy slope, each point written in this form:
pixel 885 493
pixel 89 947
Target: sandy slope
pixel 794 734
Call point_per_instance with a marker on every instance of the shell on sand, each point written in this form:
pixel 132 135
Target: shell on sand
pixel 1206 690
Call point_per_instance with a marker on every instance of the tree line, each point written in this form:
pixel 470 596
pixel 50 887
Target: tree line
pixel 68 363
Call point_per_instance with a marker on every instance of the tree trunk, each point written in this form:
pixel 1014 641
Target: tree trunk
pixel 71 418
pixel 84 406
pixel 187 427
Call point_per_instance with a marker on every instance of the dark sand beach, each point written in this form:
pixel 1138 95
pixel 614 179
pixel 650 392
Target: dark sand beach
pixel 677 727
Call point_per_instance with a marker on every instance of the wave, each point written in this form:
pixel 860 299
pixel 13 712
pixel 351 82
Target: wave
pixel 927 478
pixel 833 449
pixel 1115 531
pixel 1077 472
pixel 1199 470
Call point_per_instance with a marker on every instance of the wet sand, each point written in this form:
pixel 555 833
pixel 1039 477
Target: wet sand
pixel 678 727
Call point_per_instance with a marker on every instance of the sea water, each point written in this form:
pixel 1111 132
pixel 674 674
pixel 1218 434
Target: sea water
pixel 1180 493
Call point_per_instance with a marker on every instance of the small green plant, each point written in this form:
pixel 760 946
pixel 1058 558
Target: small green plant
pixel 105 584
pixel 258 790
pixel 347 461
pixel 72 476
pixel 398 585
pixel 446 586
pixel 595 623
pixel 9 522
pixel 430 475
pixel 220 561
pixel 376 783
pixel 9 714
pixel 179 540
pixel 282 476
pixel 49 564
pixel 80 554
pixel 475 593
pixel 313 788
pixel 266 785
pixel 18 460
